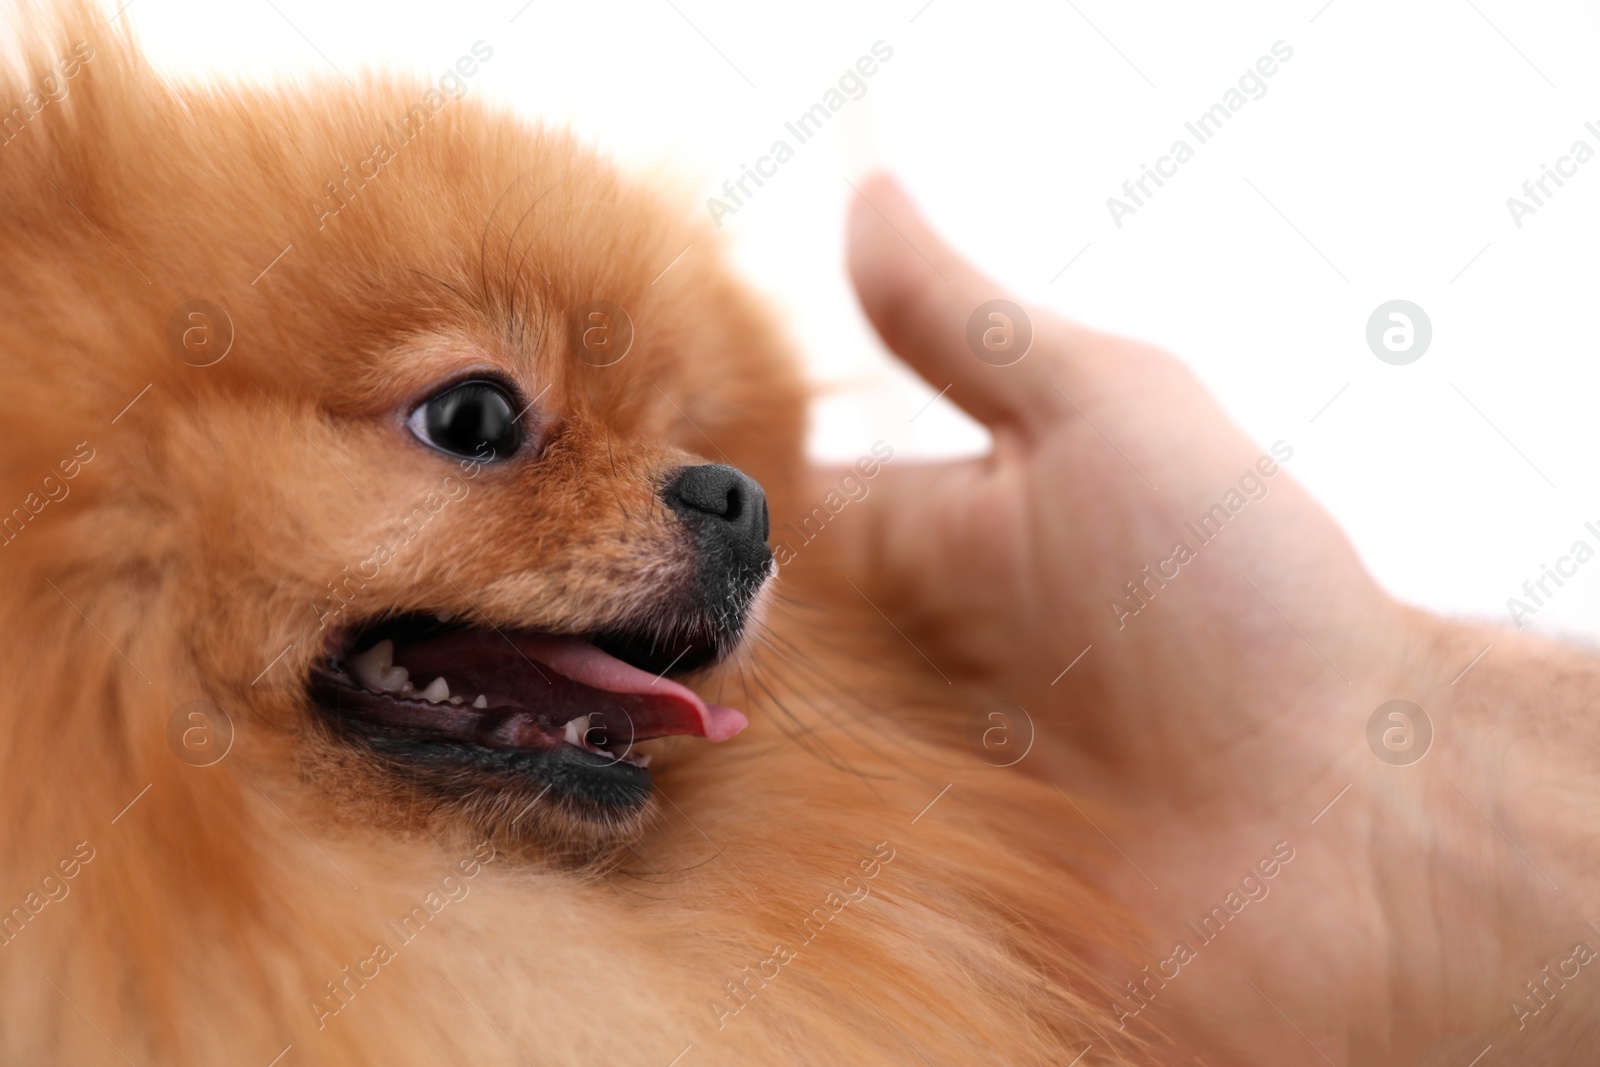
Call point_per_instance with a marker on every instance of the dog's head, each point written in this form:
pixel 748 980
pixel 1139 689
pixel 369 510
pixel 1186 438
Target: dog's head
pixel 451 463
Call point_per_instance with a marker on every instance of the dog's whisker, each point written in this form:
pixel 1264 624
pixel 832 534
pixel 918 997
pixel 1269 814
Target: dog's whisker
pixel 802 685
pixel 803 734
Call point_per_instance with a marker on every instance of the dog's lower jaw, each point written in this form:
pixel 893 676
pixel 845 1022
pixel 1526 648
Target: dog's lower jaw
pixel 543 802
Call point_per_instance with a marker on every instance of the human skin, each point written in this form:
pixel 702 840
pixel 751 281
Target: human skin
pixel 1229 711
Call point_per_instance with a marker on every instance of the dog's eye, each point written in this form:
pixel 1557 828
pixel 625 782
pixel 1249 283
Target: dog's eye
pixel 476 418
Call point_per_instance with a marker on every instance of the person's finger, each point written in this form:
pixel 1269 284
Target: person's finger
pixel 954 326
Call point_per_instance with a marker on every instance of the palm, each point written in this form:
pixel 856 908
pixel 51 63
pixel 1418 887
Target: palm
pixel 1106 456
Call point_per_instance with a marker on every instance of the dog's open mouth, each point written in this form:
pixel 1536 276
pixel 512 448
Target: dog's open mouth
pixel 537 733
pixel 572 710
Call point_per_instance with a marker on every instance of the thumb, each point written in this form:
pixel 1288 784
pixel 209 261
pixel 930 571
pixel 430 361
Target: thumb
pixel 953 325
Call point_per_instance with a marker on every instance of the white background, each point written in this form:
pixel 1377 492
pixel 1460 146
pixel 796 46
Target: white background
pixel 1390 142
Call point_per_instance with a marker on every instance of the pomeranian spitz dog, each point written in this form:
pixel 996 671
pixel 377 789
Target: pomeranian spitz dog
pixel 385 505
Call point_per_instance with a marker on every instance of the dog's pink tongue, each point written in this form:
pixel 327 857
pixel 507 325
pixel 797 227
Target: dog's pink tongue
pixel 583 662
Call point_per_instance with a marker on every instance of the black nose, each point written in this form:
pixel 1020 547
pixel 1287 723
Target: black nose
pixel 727 511
pixel 714 492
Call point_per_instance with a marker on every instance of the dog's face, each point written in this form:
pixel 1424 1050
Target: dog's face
pixel 557 562
pixel 525 545
pixel 476 454
pixel 550 549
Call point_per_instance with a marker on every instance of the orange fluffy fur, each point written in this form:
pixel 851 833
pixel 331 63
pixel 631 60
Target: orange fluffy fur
pixel 218 908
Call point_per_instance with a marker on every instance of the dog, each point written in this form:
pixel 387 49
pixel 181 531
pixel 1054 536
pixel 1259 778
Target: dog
pixel 396 666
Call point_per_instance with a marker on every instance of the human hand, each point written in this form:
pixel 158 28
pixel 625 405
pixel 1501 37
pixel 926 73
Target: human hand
pixel 1111 465
pixel 1226 651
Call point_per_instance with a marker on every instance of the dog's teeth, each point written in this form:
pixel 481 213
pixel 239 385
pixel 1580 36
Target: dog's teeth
pixel 442 616
pixel 375 668
pixel 379 655
pixel 458 700
pixel 481 702
pixel 370 665
pixel 438 691
pixel 576 731
pixel 405 688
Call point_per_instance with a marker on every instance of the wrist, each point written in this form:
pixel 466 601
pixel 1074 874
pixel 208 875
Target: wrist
pixel 1480 848
pixel 1435 875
